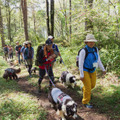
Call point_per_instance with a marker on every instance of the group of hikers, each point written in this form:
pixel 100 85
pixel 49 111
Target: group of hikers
pixel 8 52
pixel 88 61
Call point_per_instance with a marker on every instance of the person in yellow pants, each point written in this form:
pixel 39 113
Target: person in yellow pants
pixel 89 60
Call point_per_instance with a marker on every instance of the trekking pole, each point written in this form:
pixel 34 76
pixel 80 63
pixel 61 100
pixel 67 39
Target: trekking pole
pixel 49 77
pixel 64 64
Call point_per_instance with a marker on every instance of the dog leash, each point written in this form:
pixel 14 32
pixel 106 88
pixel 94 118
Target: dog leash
pixel 49 76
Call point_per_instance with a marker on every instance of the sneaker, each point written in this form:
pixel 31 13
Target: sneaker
pixel 88 105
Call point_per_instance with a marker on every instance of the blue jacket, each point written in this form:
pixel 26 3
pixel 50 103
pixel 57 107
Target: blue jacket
pixel 28 53
pixel 91 58
pixel 55 47
pixel 22 49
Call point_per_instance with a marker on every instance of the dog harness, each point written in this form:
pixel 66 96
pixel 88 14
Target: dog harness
pixel 10 70
pixel 59 96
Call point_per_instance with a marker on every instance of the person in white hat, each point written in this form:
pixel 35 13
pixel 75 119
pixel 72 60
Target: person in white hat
pixel 55 49
pixel 89 60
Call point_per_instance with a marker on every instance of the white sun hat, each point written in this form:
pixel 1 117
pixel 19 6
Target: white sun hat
pixel 50 36
pixel 90 38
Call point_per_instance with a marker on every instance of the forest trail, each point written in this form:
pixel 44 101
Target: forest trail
pixel 83 113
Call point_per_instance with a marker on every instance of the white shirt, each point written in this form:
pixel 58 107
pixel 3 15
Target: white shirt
pixel 81 62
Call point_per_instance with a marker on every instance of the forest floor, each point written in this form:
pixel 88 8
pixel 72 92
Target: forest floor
pixel 105 98
pixel 26 85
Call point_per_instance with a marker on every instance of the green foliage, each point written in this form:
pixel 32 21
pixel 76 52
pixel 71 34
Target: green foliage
pixel 111 59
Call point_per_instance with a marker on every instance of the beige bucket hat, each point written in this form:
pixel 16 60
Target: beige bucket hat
pixel 90 38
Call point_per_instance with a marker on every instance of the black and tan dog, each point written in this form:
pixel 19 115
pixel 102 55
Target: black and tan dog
pixel 67 79
pixel 63 103
pixel 11 73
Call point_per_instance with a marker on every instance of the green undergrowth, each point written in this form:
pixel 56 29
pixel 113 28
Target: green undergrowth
pixel 15 104
pixel 105 96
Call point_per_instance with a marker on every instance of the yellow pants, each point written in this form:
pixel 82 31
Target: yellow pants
pixel 89 83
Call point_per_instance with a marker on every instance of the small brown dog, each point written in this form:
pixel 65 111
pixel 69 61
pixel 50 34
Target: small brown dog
pixel 11 73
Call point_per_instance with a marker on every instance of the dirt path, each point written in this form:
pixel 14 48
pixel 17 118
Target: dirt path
pixel 83 113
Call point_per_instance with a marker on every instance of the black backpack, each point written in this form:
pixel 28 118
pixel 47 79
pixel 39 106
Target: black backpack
pixel 37 55
pixel 86 54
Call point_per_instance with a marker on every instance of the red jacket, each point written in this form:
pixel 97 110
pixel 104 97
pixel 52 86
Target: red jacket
pixel 43 60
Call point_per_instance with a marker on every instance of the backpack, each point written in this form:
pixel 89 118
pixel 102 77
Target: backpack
pixel 37 55
pixel 5 50
pixel 86 54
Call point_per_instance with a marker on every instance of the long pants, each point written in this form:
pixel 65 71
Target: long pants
pixel 18 58
pixel 29 63
pixel 89 83
pixel 42 73
pixel 11 55
pixel 29 69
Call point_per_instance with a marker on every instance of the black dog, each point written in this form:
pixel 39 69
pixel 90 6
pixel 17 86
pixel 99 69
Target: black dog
pixel 11 73
pixel 33 69
pixel 63 103
pixel 67 79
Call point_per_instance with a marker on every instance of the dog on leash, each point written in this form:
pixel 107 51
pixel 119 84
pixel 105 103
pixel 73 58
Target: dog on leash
pixel 11 73
pixel 33 69
pixel 67 79
pixel 63 103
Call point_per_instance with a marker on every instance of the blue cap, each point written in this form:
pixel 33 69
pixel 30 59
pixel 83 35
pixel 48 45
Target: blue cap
pixel 48 41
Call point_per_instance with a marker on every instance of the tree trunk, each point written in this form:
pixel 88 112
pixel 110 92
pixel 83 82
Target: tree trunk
pixel 108 7
pixel 52 17
pixel 20 16
pixel 8 16
pixel 47 17
pixel 1 29
pixel 24 10
pixel 15 25
pixel 34 19
pixel 65 14
pixel 88 22
pixel 70 18
pixel 9 25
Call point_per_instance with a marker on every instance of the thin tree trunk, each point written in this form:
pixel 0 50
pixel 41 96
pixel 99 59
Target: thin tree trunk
pixel 1 29
pixel 20 16
pixel 88 22
pixel 9 25
pixel 65 14
pixel 70 19
pixel 47 17
pixel 34 21
pixel 52 17
pixel 8 16
pixel 108 7
pixel 24 10
pixel 15 25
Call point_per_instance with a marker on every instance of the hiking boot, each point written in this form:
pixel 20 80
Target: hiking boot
pixel 88 105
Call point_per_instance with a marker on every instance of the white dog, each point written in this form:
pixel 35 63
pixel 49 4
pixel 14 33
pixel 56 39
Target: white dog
pixel 63 103
pixel 67 79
